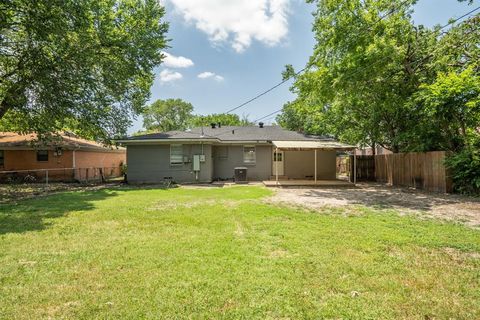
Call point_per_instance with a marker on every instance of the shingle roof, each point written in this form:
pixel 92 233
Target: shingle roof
pixel 68 141
pixel 231 134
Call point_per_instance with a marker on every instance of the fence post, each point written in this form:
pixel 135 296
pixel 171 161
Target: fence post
pixel 46 178
pixel 355 166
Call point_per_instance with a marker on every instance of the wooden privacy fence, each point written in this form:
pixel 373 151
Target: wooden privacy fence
pixel 422 170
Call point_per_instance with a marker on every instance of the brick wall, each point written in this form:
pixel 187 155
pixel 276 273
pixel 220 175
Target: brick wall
pixel 27 160
pixel 90 159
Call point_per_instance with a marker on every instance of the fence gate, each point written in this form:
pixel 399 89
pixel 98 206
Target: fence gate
pixel 365 168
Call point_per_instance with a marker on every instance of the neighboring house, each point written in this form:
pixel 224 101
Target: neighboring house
pixel 67 152
pixel 212 153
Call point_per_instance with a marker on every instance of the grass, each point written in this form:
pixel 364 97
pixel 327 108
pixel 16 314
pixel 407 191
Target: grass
pixel 223 253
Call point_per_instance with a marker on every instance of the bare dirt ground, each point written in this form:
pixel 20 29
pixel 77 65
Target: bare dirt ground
pixel 405 201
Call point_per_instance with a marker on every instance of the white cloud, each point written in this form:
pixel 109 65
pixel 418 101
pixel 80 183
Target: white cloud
pixel 169 76
pixel 172 61
pixel 237 22
pixel 208 74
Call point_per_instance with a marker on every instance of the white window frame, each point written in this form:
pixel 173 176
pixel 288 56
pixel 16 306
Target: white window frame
pixel 250 161
pixel 176 159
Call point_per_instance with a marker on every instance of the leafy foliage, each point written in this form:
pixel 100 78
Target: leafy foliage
pixel 224 119
pixel 465 168
pixel 83 65
pixel 176 114
pixel 450 112
pixel 368 65
pixel 167 115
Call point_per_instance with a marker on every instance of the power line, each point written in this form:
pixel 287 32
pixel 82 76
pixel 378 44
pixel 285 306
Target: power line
pixel 380 60
pixel 268 115
pixel 267 91
pixel 308 65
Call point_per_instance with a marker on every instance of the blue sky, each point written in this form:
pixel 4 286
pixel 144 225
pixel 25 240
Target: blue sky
pixel 224 52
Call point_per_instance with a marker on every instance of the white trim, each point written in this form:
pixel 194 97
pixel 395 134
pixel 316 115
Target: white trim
pixel 170 159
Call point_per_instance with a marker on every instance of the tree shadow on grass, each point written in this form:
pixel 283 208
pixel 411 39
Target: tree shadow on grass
pixel 31 214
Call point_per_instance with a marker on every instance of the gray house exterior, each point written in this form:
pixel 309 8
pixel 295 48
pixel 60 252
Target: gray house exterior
pixel 212 153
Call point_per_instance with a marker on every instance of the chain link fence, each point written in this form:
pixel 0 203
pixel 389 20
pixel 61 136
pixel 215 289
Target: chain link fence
pixel 46 176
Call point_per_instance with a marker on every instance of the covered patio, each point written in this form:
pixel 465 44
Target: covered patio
pixel 323 170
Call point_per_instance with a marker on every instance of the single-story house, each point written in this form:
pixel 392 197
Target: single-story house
pixel 67 157
pixel 212 153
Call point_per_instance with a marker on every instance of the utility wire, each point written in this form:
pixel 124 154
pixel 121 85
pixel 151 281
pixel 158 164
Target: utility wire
pixel 268 115
pixel 381 60
pixel 267 91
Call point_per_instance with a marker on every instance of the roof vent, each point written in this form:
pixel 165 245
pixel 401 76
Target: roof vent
pixel 233 131
pixel 260 124
pixel 213 125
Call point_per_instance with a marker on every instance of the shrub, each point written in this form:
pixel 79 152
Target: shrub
pixel 465 169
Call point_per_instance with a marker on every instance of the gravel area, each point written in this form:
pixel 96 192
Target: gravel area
pixel 405 201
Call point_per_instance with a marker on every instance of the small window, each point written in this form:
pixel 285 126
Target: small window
pixel 2 158
pixel 42 155
pixel 176 154
pixel 249 154
pixel 277 156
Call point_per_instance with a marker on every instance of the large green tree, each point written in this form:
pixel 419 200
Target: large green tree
pixel 368 63
pixel 83 65
pixel 167 115
pixel 225 119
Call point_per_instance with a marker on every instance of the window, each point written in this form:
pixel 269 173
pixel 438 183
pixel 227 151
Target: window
pixel 42 155
pixel 277 156
pixel 176 154
pixel 249 154
pixel 2 158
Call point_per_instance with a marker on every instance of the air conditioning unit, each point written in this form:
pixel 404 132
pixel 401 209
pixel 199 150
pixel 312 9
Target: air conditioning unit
pixel 240 174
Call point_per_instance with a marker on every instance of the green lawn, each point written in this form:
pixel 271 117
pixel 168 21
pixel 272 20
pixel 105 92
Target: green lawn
pixel 223 253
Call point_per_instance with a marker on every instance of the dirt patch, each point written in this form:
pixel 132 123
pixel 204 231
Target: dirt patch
pixel 405 201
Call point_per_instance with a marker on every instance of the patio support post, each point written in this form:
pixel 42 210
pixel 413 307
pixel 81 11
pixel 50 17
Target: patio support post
pixel 315 166
pixel 276 165
pixel 355 166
